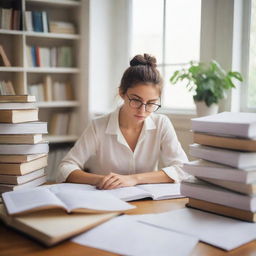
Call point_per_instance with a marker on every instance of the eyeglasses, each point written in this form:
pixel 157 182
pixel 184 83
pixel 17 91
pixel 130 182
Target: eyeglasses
pixel 149 107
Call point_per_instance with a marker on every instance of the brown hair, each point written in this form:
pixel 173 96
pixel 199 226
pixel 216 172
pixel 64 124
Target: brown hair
pixel 142 70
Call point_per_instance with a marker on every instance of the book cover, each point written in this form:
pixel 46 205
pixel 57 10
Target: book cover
pixel 24 149
pixel 21 179
pixel 222 210
pixel 19 158
pixel 225 142
pixel 53 227
pixel 17 105
pixel 18 115
pixel 24 128
pixel 28 185
pixel 244 188
pixel 23 168
pixel 206 169
pixel 5 60
pixel 205 191
pixel 21 138
pixel 239 124
pixel 234 158
pixel 17 98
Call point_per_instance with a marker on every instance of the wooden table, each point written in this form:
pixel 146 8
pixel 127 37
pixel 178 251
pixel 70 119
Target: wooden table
pixel 14 243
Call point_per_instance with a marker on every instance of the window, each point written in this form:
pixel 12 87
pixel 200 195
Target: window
pixel 251 95
pixel 169 30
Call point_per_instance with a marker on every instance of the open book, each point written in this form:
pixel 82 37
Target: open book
pixel 42 198
pixel 51 227
pixel 154 191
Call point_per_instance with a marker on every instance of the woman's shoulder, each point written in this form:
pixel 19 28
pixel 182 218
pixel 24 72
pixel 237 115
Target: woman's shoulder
pixel 160 119
pixel 101 121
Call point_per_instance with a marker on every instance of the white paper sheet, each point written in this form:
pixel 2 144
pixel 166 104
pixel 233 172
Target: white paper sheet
pixel 126 236
pixel 216 230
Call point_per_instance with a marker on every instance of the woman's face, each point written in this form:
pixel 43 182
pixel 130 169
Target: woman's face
pixel 145 93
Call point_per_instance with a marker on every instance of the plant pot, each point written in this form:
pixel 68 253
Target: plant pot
pixel 203 110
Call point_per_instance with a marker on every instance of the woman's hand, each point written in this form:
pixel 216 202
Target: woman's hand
pixel 114 180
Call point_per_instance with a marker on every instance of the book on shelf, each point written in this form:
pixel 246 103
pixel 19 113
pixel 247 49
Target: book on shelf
pixel 6 88
pixel 49 57
pixel 23 168
pixel 206 169
pixel 23 201
pixel 222 210
pixel 6 18
pixel 239 124
pixel 21 179
pixel 244 188
pixel 11 15
pixel 59 123
pixel 19 158
pixel 28 21
pixel 24 128
pixel 224 142
pixel 199 189
pixel 62 27
pixel 154 191
pixel 53 227
pixel 24 149
pixel 21 138
pixel 4 58
pixel 237 159
pixel 45 22
pixel 17 105
pixel 18 115
pixel 28 185
pixel 17 98
pixel 48 94
pixel 37 21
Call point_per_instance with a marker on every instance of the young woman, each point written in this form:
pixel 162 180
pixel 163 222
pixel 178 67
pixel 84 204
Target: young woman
pixel 133 145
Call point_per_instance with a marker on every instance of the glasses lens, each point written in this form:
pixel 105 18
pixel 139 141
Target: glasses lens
pixel 151 107
pixel 135 103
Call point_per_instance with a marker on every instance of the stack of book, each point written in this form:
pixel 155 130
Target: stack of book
pixel 225 174
pixel 23 153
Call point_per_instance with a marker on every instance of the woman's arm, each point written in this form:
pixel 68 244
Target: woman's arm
pixel 114 180
pixel 79 176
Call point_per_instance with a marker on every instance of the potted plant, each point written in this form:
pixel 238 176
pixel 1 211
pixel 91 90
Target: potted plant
pixel 210 82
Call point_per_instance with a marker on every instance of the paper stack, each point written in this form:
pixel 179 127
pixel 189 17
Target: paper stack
pixel 23 153
pixel 226 170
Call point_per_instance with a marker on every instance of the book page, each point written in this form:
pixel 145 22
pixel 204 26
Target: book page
pixel 223 232
pixel 138 239
pixel 162 191
pixel 92 201
pixel 129 193
pixel 30 199
pixel 70 186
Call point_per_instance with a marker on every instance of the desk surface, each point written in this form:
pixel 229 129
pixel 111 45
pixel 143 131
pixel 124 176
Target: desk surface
pixel 14 243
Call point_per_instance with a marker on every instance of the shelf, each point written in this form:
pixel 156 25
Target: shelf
pixel 40 34
pixel 60 138
pixel 51 70
pixel 57 104
pixel 67 3
pixel 11 32
pixel 11 69
pixel 52 35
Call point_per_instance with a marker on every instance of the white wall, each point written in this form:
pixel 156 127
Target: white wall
pixel 109 42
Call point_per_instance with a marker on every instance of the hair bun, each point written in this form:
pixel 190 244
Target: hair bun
pixel 145 60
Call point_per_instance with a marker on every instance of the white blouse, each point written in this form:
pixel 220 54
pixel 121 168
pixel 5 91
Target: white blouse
pixel 102 149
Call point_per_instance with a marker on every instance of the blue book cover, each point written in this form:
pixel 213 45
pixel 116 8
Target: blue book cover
pixel 37 21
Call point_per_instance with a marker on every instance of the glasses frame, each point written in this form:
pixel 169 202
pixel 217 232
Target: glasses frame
pixel 141 104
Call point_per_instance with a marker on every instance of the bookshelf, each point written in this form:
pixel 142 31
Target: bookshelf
pixel 23 75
